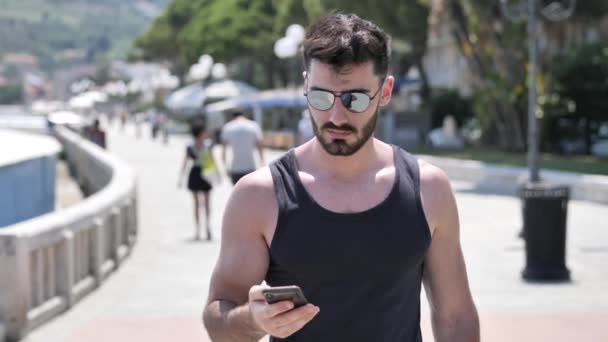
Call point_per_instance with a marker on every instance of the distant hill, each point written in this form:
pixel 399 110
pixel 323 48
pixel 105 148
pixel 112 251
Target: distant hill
pixel 59 32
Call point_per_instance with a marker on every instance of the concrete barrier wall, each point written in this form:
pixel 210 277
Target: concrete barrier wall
pixel 507 179
pixel 27 176
pixel 27 190
pixel 50 262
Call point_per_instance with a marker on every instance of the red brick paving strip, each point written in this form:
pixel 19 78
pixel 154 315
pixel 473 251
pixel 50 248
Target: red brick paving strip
pixel 496 327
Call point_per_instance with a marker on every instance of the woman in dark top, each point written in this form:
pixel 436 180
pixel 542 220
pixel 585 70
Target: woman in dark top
pixel 199 154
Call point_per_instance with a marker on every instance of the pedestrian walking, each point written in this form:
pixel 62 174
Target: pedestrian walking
pixel 96 134
pixel 305 131
pixel 243 136
pixel 202 163
pixel 356 224
pixel 163 126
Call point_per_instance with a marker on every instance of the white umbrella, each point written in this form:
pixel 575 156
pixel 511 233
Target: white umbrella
pixel 96 96
pixel 81 102
pixel 41 107
pixel 228 88
pixel 194 95
pixel 64 117
pixel 190 96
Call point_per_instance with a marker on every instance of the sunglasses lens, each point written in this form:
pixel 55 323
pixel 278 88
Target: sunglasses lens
pixel 355 102
pixel 320 100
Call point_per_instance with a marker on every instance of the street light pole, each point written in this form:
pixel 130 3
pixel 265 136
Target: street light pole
pixel 532 122
pixel 287 47
pixel 554 11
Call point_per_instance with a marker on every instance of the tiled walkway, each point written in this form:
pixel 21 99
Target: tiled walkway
pixel 158 293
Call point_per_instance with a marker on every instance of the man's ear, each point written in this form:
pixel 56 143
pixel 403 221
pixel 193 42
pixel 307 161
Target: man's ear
pixel 387 90
pixel 305 80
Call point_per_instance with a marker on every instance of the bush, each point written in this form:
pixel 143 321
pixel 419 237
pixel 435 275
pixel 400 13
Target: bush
pixel 576 103
pixel 11 94
pixel 449 102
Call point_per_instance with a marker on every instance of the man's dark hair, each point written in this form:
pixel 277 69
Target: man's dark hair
pixel 237 113
pixel 197 127
pixel 344 39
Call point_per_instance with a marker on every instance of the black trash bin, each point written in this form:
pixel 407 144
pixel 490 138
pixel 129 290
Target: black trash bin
pixel 545 210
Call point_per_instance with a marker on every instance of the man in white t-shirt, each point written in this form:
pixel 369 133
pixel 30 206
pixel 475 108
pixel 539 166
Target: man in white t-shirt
pixel 305 130
pixel 243 136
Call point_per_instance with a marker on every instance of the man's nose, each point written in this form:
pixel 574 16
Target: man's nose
pixel 338 114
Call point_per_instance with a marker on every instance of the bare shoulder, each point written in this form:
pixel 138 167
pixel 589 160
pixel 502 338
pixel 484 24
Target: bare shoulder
pixel 436 193
pixel 253 202
pixel 258 182
pixel 432 177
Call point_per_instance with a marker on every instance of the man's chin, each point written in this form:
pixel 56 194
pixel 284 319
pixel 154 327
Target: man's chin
pixel 339 148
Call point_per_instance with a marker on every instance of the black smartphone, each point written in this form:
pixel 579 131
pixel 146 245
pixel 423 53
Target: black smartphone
pixel 280 293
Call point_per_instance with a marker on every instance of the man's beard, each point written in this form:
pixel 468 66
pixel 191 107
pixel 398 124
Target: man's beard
pixel 339 147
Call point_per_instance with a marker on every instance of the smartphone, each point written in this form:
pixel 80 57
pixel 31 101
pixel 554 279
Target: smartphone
pixel 280 293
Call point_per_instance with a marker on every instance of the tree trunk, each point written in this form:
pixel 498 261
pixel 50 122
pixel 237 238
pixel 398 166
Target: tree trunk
pixel 425 88
pixel 503 130
pixel 515 129
pixel 283 73
pixel 249 71
pixel 269 70
pixel 587 137
pixel 502 65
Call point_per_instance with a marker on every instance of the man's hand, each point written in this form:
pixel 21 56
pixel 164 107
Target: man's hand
pixel 279 319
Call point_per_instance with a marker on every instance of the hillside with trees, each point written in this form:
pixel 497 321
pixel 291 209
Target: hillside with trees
pixel 61 32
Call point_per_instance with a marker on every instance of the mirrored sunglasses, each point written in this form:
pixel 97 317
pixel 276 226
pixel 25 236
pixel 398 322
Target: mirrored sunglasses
pixel 353 101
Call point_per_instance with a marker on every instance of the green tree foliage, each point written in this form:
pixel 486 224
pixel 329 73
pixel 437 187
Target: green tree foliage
pixel 11 94
pixel 588 9
pixel 449 102
pixel 496 50
pixel 245 31
pixel 294 12
pixel 496 53
pixel 46 28
pixel 161 41
pixel 578 91
pixel 229 30
pixel 581 76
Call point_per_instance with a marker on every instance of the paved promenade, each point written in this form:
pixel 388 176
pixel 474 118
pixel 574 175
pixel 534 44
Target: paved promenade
pixel 158 293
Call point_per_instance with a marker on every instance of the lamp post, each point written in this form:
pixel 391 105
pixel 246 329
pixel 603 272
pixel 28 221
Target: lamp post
pixel 201 70
pixel 544 205
pixel 527 10
pixel 288 46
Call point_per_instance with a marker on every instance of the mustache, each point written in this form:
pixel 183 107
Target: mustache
pixel 345 127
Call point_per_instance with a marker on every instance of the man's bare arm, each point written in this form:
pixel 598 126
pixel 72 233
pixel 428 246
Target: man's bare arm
pixel 453 313
pixel 223 154
pixel 243 260
pixel 180 178
pixel 260 147
pixel 227 322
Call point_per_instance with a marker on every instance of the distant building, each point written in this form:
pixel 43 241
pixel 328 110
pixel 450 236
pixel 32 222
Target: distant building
pixel 72 55
pixel 20 59
pixel 443 62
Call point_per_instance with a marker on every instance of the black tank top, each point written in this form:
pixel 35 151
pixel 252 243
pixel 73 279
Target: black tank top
pixel 363 269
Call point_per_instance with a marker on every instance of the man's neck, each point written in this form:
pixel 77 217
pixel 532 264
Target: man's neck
pixel 346 166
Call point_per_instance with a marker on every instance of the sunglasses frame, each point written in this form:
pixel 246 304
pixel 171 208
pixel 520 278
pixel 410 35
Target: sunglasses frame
pixel 339 95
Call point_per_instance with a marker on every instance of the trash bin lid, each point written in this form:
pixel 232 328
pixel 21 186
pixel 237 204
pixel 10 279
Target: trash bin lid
pixel 544 190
